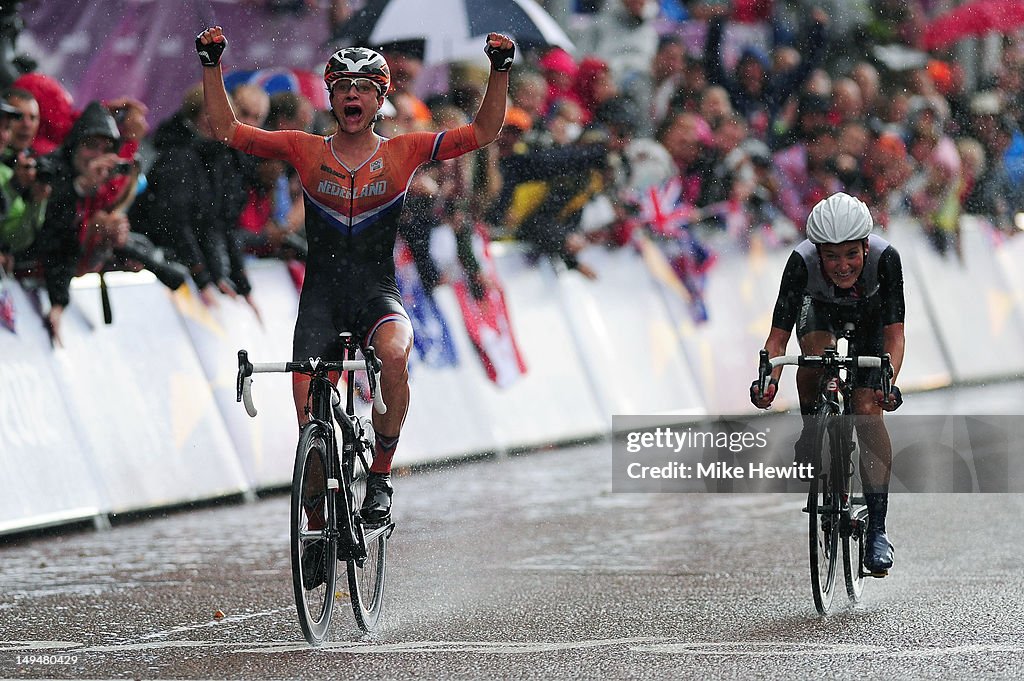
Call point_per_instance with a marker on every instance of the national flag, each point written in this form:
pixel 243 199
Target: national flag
pixel 432 339
pixel 487 320
pixel 669 220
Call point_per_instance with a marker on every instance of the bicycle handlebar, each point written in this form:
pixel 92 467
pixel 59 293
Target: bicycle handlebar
pixel 867 362
pixel 829 359
pixel 246 369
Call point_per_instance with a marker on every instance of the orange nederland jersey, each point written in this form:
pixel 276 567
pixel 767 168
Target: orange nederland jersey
pixel 352 213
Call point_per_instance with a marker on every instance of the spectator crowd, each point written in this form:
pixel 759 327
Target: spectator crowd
pixel 688 123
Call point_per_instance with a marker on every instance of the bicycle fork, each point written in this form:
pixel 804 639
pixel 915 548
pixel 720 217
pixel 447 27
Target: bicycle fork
pixel 842 435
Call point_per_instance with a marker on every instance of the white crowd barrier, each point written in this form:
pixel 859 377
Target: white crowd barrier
pixel 970 301
pixel 47 477
pixel 141 414
pixel 265 445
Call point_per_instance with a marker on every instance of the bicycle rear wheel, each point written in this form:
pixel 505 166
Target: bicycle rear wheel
pixel 314 540
pixel 823 513
pixel 366 576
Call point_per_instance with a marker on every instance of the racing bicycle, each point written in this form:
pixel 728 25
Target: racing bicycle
pixel 837 516
pixel 328 485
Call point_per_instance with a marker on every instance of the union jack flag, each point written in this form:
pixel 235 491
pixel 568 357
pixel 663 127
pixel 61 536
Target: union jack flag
pixel 669 220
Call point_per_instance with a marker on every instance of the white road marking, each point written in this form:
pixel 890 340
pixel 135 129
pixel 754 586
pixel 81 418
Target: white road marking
pixel 486 647
pixel 761 648
pixel 38 645
pixel 646 644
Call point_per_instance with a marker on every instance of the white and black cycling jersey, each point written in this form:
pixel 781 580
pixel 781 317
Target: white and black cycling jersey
pixel 878 293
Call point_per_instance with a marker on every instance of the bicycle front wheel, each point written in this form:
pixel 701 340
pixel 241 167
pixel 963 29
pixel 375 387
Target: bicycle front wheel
pixel 853 554
pixel 314 541
pixel 823 508
pixel 366 576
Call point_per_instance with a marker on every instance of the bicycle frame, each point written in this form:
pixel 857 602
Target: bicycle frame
pixel 323 409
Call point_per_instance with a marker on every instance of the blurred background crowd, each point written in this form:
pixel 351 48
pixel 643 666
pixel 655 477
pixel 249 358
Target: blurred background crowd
pixel 694 125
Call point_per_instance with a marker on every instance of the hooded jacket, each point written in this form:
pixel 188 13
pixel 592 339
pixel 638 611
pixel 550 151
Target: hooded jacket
pixel 174 211
pixel 184 206
pixel 62 249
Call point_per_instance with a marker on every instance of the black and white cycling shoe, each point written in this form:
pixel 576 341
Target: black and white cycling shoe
pixel 377 504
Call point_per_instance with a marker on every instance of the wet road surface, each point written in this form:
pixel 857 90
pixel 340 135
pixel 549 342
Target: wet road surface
pixel 526 567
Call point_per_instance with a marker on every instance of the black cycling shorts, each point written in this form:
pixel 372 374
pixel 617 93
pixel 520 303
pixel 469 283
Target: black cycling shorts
pixel 320 321
pixel 867 339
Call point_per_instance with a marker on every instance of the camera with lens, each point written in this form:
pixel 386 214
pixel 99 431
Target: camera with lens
pixel 46 170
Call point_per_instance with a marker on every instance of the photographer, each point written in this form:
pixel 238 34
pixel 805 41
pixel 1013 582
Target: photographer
pixel 24 128
pixel 85 223
pixel 23 196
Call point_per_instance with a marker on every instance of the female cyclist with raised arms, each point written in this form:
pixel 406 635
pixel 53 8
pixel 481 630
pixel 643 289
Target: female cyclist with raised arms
pixel 843 273
pixel 354 184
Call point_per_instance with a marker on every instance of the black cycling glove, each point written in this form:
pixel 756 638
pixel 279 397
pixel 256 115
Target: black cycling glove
pixel 209 54
pixel 897 397
pixel 755 392
pixel 501 58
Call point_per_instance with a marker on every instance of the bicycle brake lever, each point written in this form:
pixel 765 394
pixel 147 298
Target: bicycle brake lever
pixel 886 375
pixel 373 367
pixel 372 361
pixel 244 371
pixel 764 370
pixel 243 384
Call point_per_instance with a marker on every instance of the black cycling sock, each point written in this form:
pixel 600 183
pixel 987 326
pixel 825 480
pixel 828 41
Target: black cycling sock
pixel 878 506
pixel 804 444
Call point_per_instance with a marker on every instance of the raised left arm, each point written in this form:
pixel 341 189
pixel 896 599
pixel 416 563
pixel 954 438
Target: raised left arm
pixel 491 115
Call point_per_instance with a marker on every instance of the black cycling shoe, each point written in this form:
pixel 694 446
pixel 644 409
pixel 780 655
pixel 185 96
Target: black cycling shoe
pixel 314 570
pixel 878 553
pixel 377 504
pixel 805 456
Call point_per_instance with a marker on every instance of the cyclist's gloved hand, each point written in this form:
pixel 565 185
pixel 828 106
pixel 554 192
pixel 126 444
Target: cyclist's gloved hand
pixel 210 52
pixel 501 51
pixel 892 402
pixel 763 401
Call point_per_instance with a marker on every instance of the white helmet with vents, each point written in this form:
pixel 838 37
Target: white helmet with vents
pixel 839 218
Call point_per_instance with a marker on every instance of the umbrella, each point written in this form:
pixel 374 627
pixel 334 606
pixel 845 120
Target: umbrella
pixel 451 30
pixel 899 58
pixel 306 83
pixel 974 19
